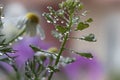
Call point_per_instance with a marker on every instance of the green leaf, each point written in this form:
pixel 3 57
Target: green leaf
pixel 80 6
pixel 48 17
pixel 35 49
pixel 82 26
pixel 87 55
pixel 90 38
pixel 6 49
pixel 5 59
pixel 60 12
pixel 61 29
pixel 89 20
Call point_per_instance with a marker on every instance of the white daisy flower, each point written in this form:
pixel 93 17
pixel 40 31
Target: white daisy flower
pixel 31 23
pixel 17 21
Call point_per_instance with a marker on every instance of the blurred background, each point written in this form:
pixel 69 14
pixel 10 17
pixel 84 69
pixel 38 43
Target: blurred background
pixel 106 27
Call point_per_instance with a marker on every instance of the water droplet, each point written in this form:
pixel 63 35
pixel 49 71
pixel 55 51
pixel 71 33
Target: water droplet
pixel 27 63
pixel 84 13
pixel 77 39
pixel 49 7
pixel 43 14
pixel 55 16
pixel 1 54
pixel 56 29
pixel 16 40
pixel 79 5
pixel 10 59
pixel 48 21
pixel 2 17
pixel 49 70
pixel 67 24
pixel 72 51
pixel 61 40
pixel 1 7
pixel 20 38
pixel 57 19
pixel 60 35
pixel 54 21
pixel 51 13
pixel 67 32
pixel 10 44
pixel 43 78
pixel 62 22
pixel 90 58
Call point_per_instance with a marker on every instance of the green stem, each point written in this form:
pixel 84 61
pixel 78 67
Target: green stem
pixel 62 46
pixel 59 54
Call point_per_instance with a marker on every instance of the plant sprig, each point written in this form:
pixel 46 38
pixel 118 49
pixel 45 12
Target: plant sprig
pixel 65 20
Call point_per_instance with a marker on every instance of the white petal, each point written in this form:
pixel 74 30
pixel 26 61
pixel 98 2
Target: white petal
pixel 21 23
pixel 13 12
pixel 31 29
pixel 41 32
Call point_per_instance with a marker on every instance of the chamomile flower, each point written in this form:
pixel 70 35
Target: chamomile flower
pixel 17 21
pixel 31 24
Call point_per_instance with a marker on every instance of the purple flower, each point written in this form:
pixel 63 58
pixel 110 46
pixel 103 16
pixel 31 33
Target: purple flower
pixel 84 69
pixel 24 52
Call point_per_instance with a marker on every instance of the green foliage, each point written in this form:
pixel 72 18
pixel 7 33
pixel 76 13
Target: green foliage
pixel 89 20
pixel 65 20
pixel 34 48
pixel 82 26
pixel 90 38
pixel 87 55
pixel 61 29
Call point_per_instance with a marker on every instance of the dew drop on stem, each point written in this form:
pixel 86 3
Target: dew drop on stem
pixel 1 54
pixel 62 22
pixel 20 38
pixel 48 21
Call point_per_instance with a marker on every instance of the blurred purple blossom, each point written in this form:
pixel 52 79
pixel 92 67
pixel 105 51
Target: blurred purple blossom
pixel 84 69
pixel 24 52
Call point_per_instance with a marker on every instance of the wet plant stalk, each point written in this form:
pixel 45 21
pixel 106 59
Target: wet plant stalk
pixel 62 46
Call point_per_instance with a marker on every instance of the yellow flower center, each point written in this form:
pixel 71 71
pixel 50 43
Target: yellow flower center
pixel 32 17
pixel 53 50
